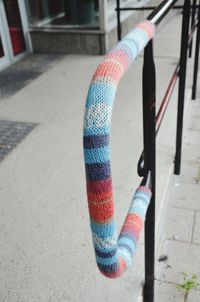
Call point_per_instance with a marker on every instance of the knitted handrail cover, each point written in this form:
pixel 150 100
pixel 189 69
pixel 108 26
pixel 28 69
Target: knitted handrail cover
pixel 112 255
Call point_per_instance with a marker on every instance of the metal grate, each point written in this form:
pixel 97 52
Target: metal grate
pixel 11 134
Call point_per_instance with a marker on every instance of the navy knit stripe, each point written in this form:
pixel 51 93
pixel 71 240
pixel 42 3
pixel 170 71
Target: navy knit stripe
pixel 111 268
pixel 95 141
pixel 105 255
pixel 100 171
pixel 127 247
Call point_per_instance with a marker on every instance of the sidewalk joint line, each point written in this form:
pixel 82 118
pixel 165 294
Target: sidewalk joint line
pixel 183 241
pixel 193 227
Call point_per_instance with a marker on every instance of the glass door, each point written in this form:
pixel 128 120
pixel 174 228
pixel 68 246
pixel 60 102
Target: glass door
pixel 12 39
pixel 14 24
pixel 4 57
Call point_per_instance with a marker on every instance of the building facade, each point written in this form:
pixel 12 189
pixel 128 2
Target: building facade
pixel 60 26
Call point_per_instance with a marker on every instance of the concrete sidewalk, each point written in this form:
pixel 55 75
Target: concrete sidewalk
pixel 46 252
pixel 182 230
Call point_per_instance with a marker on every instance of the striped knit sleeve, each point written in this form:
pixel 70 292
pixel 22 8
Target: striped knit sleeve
pixel 113 254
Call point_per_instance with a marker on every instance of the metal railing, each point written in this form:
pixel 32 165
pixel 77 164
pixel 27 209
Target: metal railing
pixel 152 121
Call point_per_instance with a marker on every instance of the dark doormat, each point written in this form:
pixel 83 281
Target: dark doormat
pixel 11 134
pixel 24 71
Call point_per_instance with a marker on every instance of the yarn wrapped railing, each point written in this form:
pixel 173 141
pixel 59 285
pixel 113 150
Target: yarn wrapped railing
pixel 112 255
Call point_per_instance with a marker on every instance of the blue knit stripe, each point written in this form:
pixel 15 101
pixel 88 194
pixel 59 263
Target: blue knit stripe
pixel 127 235
pixel 139 36
pixel 97 131
pixel 105 250
pixel 138 211
pixel 107 230
pixel 126 50
pixel 108 243
pixel 98 155
pixel 127 248
pixel 126 255
pixel 129 47
pixel 123 241
pixel 133 45
pixel 142 196
pixel 99 89
pixel 106 261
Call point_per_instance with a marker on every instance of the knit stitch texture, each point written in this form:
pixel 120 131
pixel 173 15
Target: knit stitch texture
pixel 113 254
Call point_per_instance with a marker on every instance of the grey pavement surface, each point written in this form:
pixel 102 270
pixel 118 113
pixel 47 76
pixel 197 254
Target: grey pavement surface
pixel 46 251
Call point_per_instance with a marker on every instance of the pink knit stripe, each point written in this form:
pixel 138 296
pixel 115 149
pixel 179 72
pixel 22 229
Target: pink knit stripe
pixel 145 189
pixel 148 27
pixel 111 69
pixel 121 56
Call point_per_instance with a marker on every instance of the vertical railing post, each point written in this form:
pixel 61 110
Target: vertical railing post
pixel 182 80
pixel 149 128
pixel 196 58
pixel 119 32
pixel 192 23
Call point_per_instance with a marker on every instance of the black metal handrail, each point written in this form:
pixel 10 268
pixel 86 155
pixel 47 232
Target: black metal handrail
pixel 140 8
pixel 166 98
pixel 160 11
pixel 152 121
pixel 155 9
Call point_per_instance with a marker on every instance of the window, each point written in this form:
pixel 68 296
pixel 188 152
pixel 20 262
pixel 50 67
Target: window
pixel 63 13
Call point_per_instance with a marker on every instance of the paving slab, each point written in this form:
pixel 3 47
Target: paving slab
pixel 194 121
pixel 186 196
pixel 191 152
pixel 194 137
pixel 179 224
pixel 182 257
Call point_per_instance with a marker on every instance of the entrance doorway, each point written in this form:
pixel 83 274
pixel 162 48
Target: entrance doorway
pixel 13 26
